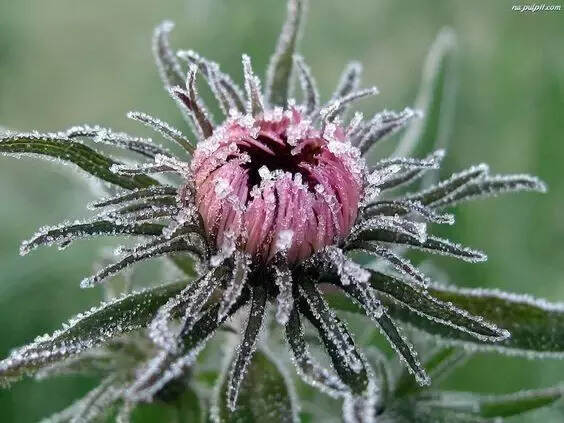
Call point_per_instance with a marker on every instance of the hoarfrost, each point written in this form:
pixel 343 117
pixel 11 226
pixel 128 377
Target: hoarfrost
pixel 236 284
pixel 255 104
pixel 163 128
pixel 222 188
pixel 284 240
pixel 333 328
pixel 285 298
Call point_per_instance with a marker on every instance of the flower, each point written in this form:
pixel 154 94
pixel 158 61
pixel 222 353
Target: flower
pixel 276 183
pixel 271 203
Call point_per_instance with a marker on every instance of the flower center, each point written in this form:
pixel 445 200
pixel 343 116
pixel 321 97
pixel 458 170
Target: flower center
pixel 280 158
pixel 276 185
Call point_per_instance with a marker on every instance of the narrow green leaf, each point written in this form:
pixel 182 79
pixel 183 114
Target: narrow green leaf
pixel 247 347
pixel 64 234
pixel 122 315
pixel 349 80
pixel 404 349
pixel 421 305
pixel 61 148
pixel 442 191
pixel 282 61
pixel 265 395
pixel 469 405
pixel 310 372
pixel 490 186
pixel 518 403
pixel 169 68
pixel 536 327
pixel 338 342
pixel 436 100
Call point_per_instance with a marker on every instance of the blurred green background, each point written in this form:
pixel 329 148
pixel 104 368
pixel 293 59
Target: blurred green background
pixel 65 62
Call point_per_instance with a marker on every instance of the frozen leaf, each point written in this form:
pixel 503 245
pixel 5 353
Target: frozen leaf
pixel 163 128
pixel 440 363
pixel 307 368
pixel 403 348
pixel 308 85
pixel 95 405
pixel 285 298
pixel 494 407
pixel 244 352
pixel 150 209
pixel 194 103
pixel 432 244
pixel 61 148
pixel 241 264
pixel 338 342
pixel 355 126
pixel 255 103
pixel 388 229
pixel 279 70
pixel 491 186
pixel 349 272
pixel 135 195
pixel 140 169
pixel 443 191
pixel 337 107
pixel 265 395
pixel 66 233
pixel 383 125
pixel 209 322
pixel 143 146
pixel 392 333
pixel 398 263
pixel 432 161
pixel 153 249
pixel 169 69
pixel 349 81
pixel 418 169
pixel 159 371
pixel 402 207
pixel 361 408
pixel 188 304
pixel 223 95
pixel 535 325
pixel 436 100
pixel 94 362
pixel 168 366
pixel 223 82
pixel 88 330
pixel 423 308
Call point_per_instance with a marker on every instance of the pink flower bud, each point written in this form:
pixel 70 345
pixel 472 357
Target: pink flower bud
pixel 276 184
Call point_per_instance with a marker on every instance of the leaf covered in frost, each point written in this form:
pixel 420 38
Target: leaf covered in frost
pixel 59 147
pixel 122 315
